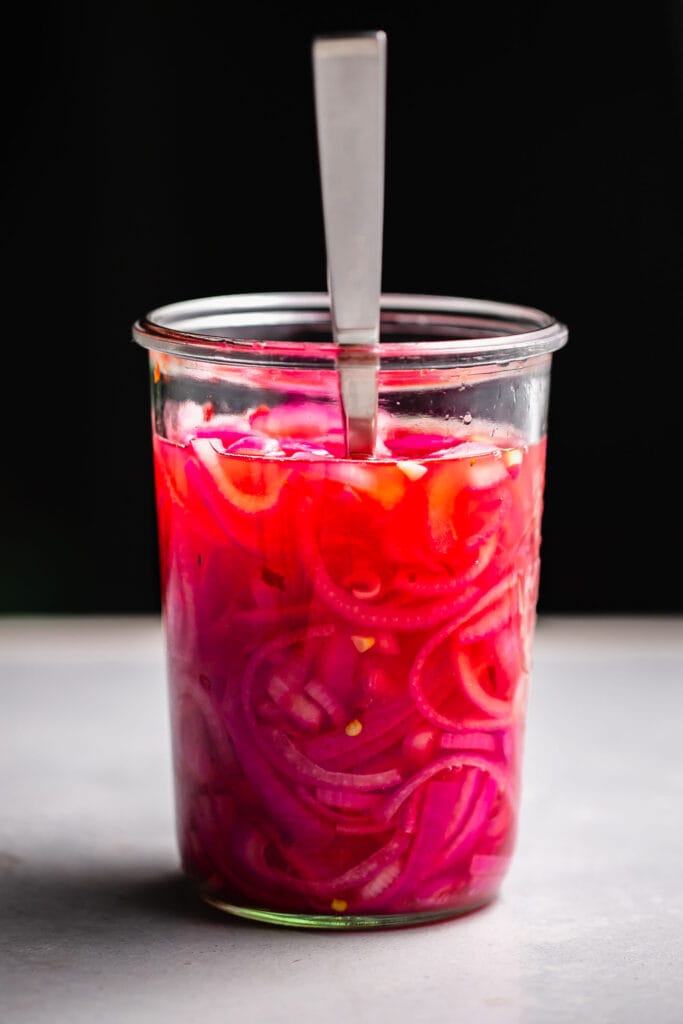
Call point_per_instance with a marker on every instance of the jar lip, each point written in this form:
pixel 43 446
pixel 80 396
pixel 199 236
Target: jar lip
pixel 235 328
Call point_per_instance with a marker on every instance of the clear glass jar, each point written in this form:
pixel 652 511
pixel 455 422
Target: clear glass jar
pixel 348 641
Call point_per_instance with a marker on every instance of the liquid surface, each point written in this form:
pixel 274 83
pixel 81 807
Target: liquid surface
pixel 348 659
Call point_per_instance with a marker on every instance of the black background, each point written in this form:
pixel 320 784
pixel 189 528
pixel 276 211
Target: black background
pixel 162 151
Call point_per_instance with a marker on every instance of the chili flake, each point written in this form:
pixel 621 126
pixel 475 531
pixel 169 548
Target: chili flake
pixel 363 643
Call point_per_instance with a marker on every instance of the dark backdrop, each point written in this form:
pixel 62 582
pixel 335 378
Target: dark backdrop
pixel 161 151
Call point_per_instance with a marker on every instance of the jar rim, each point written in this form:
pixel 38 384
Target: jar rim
pixel 270 328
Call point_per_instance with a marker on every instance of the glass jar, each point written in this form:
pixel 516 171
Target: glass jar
pixel 348 640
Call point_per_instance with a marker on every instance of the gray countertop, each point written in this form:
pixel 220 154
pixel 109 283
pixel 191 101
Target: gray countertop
pixel 96 925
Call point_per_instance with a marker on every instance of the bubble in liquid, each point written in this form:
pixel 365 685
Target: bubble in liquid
pixel 467 418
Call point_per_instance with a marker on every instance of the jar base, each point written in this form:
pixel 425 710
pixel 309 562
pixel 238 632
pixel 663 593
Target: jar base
pixel 350 922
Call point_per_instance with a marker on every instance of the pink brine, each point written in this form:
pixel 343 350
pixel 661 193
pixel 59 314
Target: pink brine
pixel 349 656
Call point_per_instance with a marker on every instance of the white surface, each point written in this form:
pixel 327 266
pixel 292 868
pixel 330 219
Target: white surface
pixel 95 926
